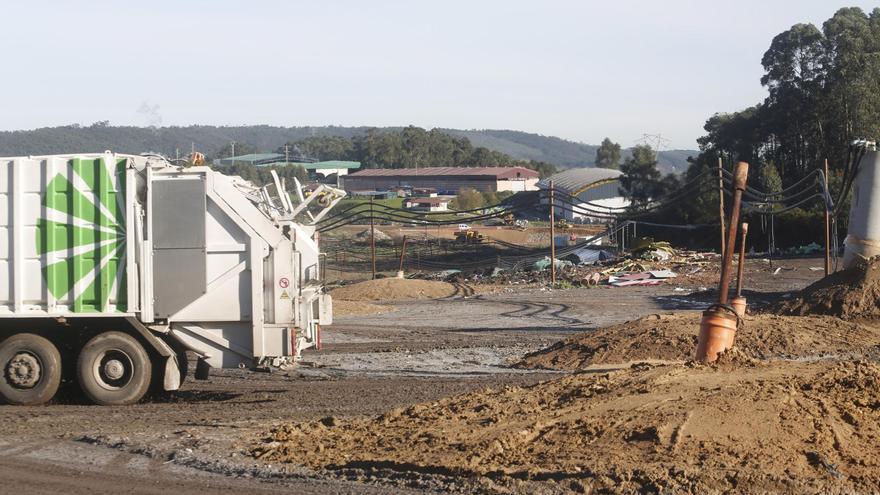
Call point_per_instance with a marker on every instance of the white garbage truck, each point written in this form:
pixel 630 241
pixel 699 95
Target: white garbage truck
pixel 113 266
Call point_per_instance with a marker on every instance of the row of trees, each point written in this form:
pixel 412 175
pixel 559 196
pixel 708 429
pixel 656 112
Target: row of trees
pixel 410 147
pixel 469 198
pixel 823 92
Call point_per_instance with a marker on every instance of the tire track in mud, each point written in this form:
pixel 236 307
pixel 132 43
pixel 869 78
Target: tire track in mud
pixel 462 290
pixel 541 311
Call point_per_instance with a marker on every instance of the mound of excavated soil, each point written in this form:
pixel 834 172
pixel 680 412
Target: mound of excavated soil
pixel 775 427
pixel 393 289
pixel 848 294
pixel 352 308
pixel 673 337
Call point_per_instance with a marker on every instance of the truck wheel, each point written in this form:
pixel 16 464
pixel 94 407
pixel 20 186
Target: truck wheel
pixel 114 369
pixel 31 369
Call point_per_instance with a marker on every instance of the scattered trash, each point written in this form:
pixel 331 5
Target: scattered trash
pixel 588 255
pixel 811 248
pixel 594 266
pixel 544 263
pixel 663 274
pixel 643 278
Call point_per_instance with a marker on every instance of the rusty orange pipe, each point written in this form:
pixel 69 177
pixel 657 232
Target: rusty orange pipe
pixel 717 334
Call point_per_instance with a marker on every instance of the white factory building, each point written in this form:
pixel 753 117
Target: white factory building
pixel 596 189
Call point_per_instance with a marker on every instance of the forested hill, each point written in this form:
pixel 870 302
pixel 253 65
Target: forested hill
pixel 561 152
pixel 211 139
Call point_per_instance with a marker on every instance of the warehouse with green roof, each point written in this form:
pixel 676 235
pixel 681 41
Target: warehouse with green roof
pixel 323 169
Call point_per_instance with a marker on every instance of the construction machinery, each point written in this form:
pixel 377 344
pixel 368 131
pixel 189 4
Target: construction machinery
pixel 113 266
pixel 469 236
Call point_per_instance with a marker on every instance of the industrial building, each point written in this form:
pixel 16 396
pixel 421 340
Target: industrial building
pixel 445 180
pixel 595 189
pixel 428 204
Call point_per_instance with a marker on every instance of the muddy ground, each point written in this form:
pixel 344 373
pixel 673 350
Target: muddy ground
pixel 198 439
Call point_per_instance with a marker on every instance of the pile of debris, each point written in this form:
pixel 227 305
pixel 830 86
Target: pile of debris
pixel 646 248
pixel 688 268
pixel 651 264
pixel 736 425
pixel 364 236
pixel 849 294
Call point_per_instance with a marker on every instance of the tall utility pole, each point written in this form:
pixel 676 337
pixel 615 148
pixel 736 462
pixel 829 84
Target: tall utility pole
pixel 827 228
pixel 286 154
pixel 552 235
pixel 372 239
pixel 233 153
pixel 656 141
pixel 721 201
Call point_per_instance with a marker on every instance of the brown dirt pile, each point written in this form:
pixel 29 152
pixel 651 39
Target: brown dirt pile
pixel 848 294
pixel 353 308
pixel 772 427
pixel 673 337
pixel 393 289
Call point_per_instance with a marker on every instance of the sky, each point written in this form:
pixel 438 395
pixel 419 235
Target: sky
pixel 580 70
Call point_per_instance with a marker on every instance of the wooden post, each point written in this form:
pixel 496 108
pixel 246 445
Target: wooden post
pixel 552 236
pixel 402 255
pixel 827 228
pixel 721 202
pixel 740 268
pixel 372 238
pixel 740 179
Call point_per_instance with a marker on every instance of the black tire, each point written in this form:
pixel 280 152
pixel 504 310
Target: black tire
pixel 31 368
pixel 114 369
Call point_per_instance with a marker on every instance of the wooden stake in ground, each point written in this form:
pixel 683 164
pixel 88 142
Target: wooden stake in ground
pixel 740 178
pixel 742 260
pixel 552 235
pixel 721 201
pixel 402 255
pixel 827 228
pixel 372 238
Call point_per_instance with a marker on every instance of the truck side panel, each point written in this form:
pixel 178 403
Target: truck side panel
pixel 62 236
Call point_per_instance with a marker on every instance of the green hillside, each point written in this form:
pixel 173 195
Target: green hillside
pixel 211 139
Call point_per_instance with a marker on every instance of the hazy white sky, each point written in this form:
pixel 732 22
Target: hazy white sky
pixel 581 70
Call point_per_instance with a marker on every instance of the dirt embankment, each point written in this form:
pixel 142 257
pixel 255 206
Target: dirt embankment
pixel 848 294
pixel 738 425
pixel 673 337
pixel 393 289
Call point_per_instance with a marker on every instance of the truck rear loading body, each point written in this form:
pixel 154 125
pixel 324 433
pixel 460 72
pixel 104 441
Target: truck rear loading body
pixel 107 258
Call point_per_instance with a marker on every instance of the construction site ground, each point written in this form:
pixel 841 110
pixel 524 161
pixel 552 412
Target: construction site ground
pixel 201 438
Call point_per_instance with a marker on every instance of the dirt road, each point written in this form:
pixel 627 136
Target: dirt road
pixel 196 441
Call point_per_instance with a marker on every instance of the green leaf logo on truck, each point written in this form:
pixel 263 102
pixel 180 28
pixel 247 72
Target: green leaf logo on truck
pixel 81 235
